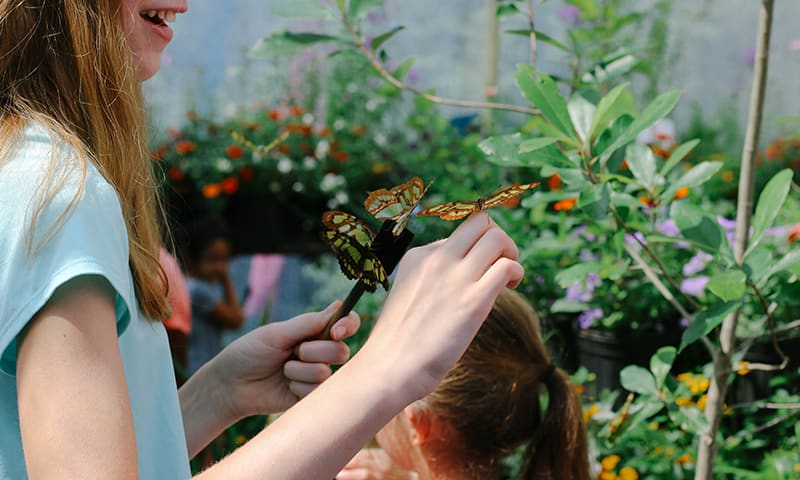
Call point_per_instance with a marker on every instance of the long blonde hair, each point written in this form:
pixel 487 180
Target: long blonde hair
pixel 66 64
pixel 491 400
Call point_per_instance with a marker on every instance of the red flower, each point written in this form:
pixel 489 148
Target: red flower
pixel 565 205
pixel 275 114
pixel 212 190
pixel 185 147
pixel 284 148
pixel 246 173
pixel 340 156
pixel 296 111
pixel 175 174
pixel 230 185
pixel 359 129
pixel 235 152
pixel 794 233
pixel 554 182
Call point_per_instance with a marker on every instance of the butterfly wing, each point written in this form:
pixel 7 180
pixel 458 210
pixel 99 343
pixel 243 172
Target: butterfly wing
pixel 373 274
pixel 451 210
pixel 350 226
pixel 409 197
pixel 351 255
pixel 505 194
pixel 378 201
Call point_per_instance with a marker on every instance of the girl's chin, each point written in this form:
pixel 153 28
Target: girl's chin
pixel 148 67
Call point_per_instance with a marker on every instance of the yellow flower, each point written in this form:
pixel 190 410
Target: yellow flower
pixel 701 402
pixel 658 450
pixel 742 369
pixel 590 412
pixel 652 425
pixel 684 459
pixel 684 402
pixel 609 463
pixel 669 452
pixel 684 377
pixel 628 473
pixel 608 476
pixel 727 176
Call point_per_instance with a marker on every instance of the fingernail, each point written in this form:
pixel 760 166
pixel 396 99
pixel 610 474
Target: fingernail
pixel 339 331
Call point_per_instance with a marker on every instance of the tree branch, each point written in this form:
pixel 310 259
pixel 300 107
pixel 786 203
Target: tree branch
pixel 531 16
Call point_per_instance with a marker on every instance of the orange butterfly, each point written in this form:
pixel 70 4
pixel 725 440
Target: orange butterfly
pixel 460 209
pixel 397 203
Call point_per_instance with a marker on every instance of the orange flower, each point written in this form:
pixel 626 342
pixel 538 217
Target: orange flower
pixel 773 151
pixel 608 476
pixel 246 173
pixel 628 473
pixel 610 462
pixel 743 368
pixel 185 147
pixel 660 152
pixel 624 165
pixel 554 182
pixel 648 201
pixel 794 233
pixel 580 389
pixel 325 131
pixel 175 174
pixel 284 148
pixel 565 205
pixel 340 156
pixel 275 114
pixel 684 459
pixel 230 185
pixel 212 190
pixel 235 152
pixel 296 111
pixel 728 176
pixel 160 152
pixel 682 192
pixel 359 129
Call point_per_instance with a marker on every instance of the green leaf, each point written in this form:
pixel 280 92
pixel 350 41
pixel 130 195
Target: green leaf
pixel 506 10
pixel 639 380
pixel 619 199
pixel 706 321
pixel 698 175
pixel 289 43
pixel 658 109
pixel 577 273
pixel 544 95
pixel 563 305
pixel 595 201
pixel 402 70
pixel 534 144
pixel 689 419
pixel 541 37
pixel 359 8
pixel 758 264
pixel 302 9
pixel 729 286
pixel 505 150
pixel 609 109
pixel 677 155
pixel 789 262
pixel 642 164
pixel 545 198
pixel 581 112
pixel 382 38
pixel 769 204
pixel 699 228
pixel 661 363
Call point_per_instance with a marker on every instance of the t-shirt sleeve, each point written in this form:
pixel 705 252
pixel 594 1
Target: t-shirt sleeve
pixel 90 239
pixel 205 296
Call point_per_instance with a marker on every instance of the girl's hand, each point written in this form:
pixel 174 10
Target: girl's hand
pixel 374 464
pixel 256 374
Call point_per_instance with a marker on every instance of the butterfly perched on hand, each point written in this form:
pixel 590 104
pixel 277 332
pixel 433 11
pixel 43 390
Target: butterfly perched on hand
pixel 350 240
pixel 397 203
pixel 460 209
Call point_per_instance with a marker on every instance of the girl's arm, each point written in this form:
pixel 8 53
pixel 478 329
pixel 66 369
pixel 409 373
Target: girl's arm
pixel 228 312
pixel 74 411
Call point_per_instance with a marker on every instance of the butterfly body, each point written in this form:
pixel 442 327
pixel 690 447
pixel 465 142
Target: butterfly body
pixel 350 239
pixel 460 209
pixel 397 203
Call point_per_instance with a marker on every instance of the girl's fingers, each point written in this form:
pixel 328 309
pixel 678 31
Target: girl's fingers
pixel 491 246
pixel 323 351
pixel 302 389
pixel 468 233
pixel 346 326
pixel 311 373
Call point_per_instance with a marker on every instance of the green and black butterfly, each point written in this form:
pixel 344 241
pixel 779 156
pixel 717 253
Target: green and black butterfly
pixel 350 239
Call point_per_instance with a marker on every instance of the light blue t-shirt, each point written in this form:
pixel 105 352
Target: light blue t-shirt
pixel 92 240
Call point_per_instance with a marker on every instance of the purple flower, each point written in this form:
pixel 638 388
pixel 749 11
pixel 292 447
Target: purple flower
pixel 582 291
pixel 413 76
pixel 668 228
pixel 586 255
pixel 631 240
pixel 570 14
pixel 694 286
pixel 726 224
pixel 696 264
pixel 684 323
pixel 587 318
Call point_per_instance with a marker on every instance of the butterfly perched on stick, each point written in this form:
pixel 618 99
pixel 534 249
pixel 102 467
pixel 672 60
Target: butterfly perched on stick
pixel 350 239
pixel 460 209
pixel 396 203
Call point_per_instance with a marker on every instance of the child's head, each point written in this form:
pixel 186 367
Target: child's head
pixel 208 248
pixel 489 404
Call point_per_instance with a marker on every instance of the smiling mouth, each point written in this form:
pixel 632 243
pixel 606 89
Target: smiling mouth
pixel 158 17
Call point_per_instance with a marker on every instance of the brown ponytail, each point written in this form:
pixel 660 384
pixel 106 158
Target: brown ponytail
pixel 491 399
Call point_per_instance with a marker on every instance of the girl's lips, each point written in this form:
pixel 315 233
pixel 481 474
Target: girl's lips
pixel 162 30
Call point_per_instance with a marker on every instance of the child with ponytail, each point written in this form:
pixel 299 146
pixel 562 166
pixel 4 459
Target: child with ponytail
pixel 488 406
